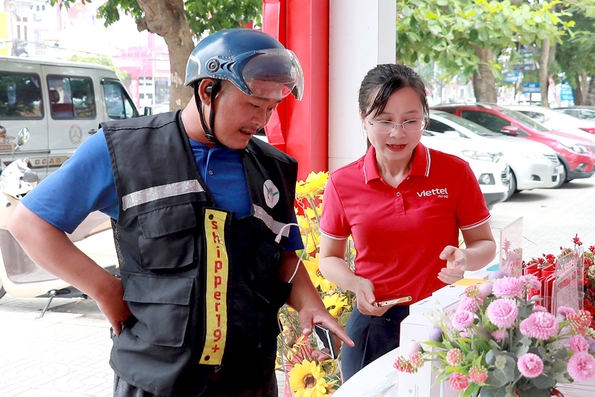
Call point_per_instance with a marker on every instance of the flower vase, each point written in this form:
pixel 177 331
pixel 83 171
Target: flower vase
pixel 555 392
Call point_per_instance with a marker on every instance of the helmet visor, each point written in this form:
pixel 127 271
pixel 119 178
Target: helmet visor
pixel 274 74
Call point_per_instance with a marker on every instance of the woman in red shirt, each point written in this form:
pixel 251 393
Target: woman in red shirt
pixel 403 204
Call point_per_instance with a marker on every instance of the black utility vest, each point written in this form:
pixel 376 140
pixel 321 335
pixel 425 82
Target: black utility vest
pixel 202 285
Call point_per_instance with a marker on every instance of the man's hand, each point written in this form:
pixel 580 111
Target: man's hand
pixel 113 306
pixel 310 316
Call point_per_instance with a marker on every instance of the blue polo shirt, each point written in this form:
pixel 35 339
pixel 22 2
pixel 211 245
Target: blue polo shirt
pixel 85 183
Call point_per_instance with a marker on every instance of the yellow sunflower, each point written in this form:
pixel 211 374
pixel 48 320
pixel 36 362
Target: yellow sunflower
pixel 318 179
pixel 311 265
pixel 335 303
pixel 305 380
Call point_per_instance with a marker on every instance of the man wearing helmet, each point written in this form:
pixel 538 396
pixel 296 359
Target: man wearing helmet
pixel 202 217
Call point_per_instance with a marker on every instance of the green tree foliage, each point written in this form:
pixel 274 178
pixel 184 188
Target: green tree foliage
pixel 204 16
pixel 101 60
pixel 466 37
pixel 576 56
pixel 181 23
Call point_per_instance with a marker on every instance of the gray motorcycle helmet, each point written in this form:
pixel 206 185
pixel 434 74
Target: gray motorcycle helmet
pixel 253 61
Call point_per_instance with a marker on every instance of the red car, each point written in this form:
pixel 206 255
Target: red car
pixel 575 153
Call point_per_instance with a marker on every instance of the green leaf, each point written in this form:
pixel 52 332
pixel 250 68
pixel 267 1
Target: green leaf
pixel 493 392
pixel 543 382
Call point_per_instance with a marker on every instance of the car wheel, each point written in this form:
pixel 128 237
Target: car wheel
pixel 562 178
pixel 511 185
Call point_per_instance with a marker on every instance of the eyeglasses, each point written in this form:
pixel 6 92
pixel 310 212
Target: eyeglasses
pixel 386 127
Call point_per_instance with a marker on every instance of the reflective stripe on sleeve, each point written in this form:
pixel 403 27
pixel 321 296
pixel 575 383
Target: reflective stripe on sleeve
pixel 158 192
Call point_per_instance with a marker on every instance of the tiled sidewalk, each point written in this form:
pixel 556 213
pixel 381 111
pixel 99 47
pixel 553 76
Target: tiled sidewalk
pixel 62 354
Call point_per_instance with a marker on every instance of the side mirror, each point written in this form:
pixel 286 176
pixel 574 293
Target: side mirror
pixel 510 130
pixel 148 111
pixel 22 138
pixel 452 134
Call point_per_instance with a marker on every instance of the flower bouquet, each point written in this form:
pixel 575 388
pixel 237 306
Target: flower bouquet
pixel 503 344
pixel 306 376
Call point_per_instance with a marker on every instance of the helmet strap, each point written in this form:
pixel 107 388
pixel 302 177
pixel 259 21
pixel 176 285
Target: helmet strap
pixel 209 132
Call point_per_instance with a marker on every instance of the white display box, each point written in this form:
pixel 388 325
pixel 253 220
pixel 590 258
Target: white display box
pixel 433 304
pixel 417 327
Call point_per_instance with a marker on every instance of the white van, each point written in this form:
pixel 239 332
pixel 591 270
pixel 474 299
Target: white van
pixel 61 103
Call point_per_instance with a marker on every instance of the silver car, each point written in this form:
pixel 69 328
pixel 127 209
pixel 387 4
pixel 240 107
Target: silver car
pixel 532 165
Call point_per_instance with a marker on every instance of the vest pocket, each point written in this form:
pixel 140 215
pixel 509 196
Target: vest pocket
pixel 162 307
pixel 167 238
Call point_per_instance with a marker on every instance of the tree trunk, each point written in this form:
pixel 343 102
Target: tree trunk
pixel 484 81
pixel 167 18
pixel 589 99
pixel 577 92
pixel 543 72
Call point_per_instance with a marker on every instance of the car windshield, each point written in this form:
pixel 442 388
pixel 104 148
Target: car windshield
pixel 470 125
pixel 525 119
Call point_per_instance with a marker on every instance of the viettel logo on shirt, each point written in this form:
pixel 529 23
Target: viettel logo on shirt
pixel 440 192
pixel 271 193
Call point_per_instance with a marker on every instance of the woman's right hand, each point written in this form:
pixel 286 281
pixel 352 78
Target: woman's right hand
pixel 364 294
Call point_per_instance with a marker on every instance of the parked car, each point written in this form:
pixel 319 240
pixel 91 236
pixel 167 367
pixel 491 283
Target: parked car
pixel 580 112
pixel 488 165
pixel 558 121
pixel 532 164
pixel 61 103
pixel 575 153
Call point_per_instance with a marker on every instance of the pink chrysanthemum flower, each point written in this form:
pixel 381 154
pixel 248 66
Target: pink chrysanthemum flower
pixel 499 334
pixel 578 343
pixel 540 325
pixel 503 312
pixel 458 381
pixel 462 319
pixel 539 308
pixel 581 367
pixel 530 281
pixel 530 365
pixel 507 287
pixel 464 334
pixel 478 374
pixel 470 304
pixel 454 357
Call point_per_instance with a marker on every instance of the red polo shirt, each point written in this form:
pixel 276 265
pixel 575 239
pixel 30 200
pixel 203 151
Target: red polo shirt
pixel 399 233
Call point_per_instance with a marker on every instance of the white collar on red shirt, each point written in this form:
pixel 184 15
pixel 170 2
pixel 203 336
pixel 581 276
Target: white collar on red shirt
pixel 420 166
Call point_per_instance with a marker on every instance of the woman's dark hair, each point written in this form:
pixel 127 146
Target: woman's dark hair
pixel 382 81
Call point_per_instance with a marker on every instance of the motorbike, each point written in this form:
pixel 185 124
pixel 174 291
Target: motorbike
pixel 19 275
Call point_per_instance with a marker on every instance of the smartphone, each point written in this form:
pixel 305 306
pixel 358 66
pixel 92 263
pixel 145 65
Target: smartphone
pixel 325 340
pixel 395 301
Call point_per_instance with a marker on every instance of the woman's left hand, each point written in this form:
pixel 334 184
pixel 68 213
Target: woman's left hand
pixel 456 264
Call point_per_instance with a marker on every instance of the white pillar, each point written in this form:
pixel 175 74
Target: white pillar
pixel 362 35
